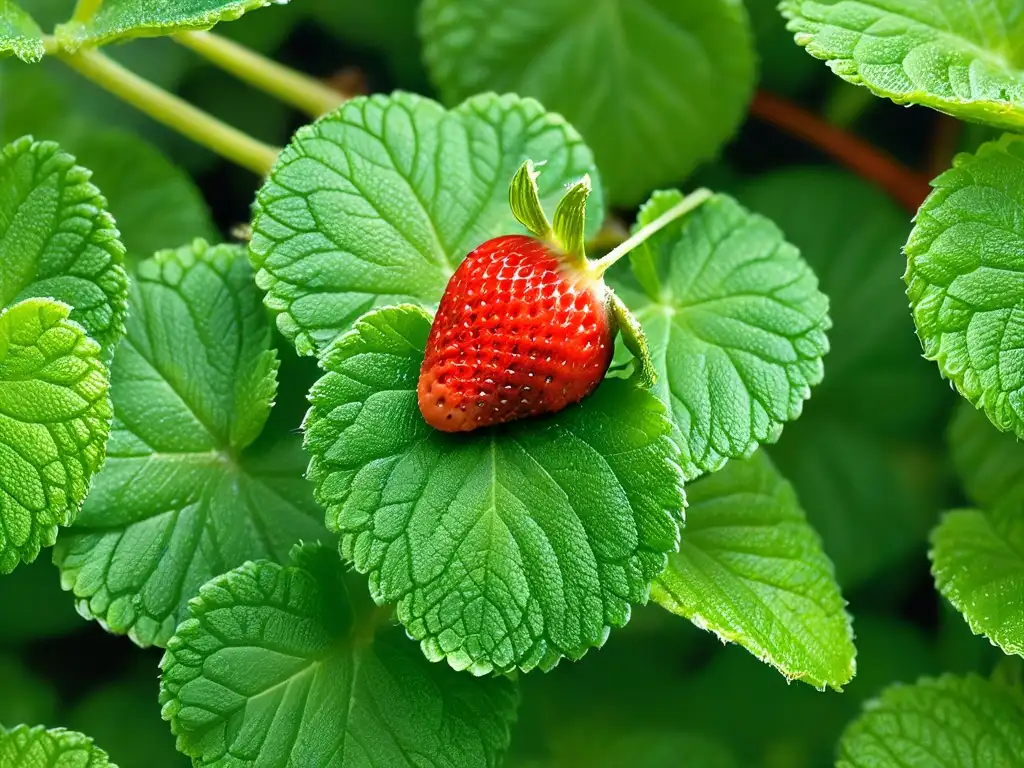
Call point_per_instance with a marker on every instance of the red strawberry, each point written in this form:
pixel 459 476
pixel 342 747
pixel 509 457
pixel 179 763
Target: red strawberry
pixel 519 333
pixel 526 325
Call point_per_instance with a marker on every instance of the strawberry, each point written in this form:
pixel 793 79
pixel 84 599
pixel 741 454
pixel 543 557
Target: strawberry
pixel 519 333
pixel 526 325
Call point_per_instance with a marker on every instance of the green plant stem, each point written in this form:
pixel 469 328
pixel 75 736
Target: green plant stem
pixel 683 207
pixel 301 91
pixel 166 108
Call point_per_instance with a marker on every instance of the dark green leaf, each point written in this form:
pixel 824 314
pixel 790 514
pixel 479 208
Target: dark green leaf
pixel 946 722
pixel 377 203
pixel 960 57
pixel 654 86
pixel 508 547
pixel 285 666
pixel 186 492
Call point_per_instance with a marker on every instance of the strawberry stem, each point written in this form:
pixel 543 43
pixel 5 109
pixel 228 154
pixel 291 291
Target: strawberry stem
pixel 687 204
pixel 569 221
pixel 524 199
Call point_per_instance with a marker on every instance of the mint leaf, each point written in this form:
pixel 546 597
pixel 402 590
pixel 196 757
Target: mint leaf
pixel 990 463
pixel 751 570
pixel 735 323
pixel 947 722
pixel 187 492
pixel 378 203
pixel 966 281
pixel 959 58
pixel 24 747
pixel 978 565
pixel 334 689
pixel 57 240
pixel 869 483
pixel 511 547
pixel 54 423
pixel 671 86
pixel 19 33
pixel 99 23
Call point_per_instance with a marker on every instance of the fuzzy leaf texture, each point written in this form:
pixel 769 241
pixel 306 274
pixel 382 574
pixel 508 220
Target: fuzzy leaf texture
pixel 751 569
pixel 735 324
pixel 654 86
pixel 57 240
pixel 377 203
pixel 188 491
pixel 336 686
pixel 965 277
pixel 19 33
pixel 948 722
pixel 98 23
pixel 508 548
pixel 961 57
pixel 24 747
pixel 978 565
pixel 54 423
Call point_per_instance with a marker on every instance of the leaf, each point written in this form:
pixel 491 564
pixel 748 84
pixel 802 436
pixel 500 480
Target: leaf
pixel 751 570
pixel 98 23
pixel 54 423
pixel 187 492
pixel 334 688
pixel 961 722
pixel 978 564
pixel 990 463
pixel 19 33
pixel 736 326
pixel 960 58
pixel 24 747
pixel 377 203
pixel 57 240
pixel 863 456
pixel 966 280
pixel 671 86
pixel 506 548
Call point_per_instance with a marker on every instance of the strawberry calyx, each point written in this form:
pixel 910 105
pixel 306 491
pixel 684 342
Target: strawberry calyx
pixel 566 239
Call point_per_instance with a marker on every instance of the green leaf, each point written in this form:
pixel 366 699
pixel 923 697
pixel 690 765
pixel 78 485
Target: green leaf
pixel 24 747
pixel 655 86
pixel 186 492
pixel 735 323
pixel 54 423
pixel 751 570
pixel 19 33
pixel 990 463
pixel 377 203
pixel 978 565
pixel 57 240
pixel 98 22
pixel 946 722
pixel 961 58
pixel 966 280
pixel 508 547
pixel 864 454
pixel 333 688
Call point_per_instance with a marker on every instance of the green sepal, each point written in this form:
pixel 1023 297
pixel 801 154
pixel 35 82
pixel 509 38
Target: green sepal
pixel 524 199
pixel 570 219
pixel 644 372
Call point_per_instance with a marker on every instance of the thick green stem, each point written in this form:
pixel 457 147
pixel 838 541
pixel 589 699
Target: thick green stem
pixel 300 90
pixel 687 204
pixel 166 108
